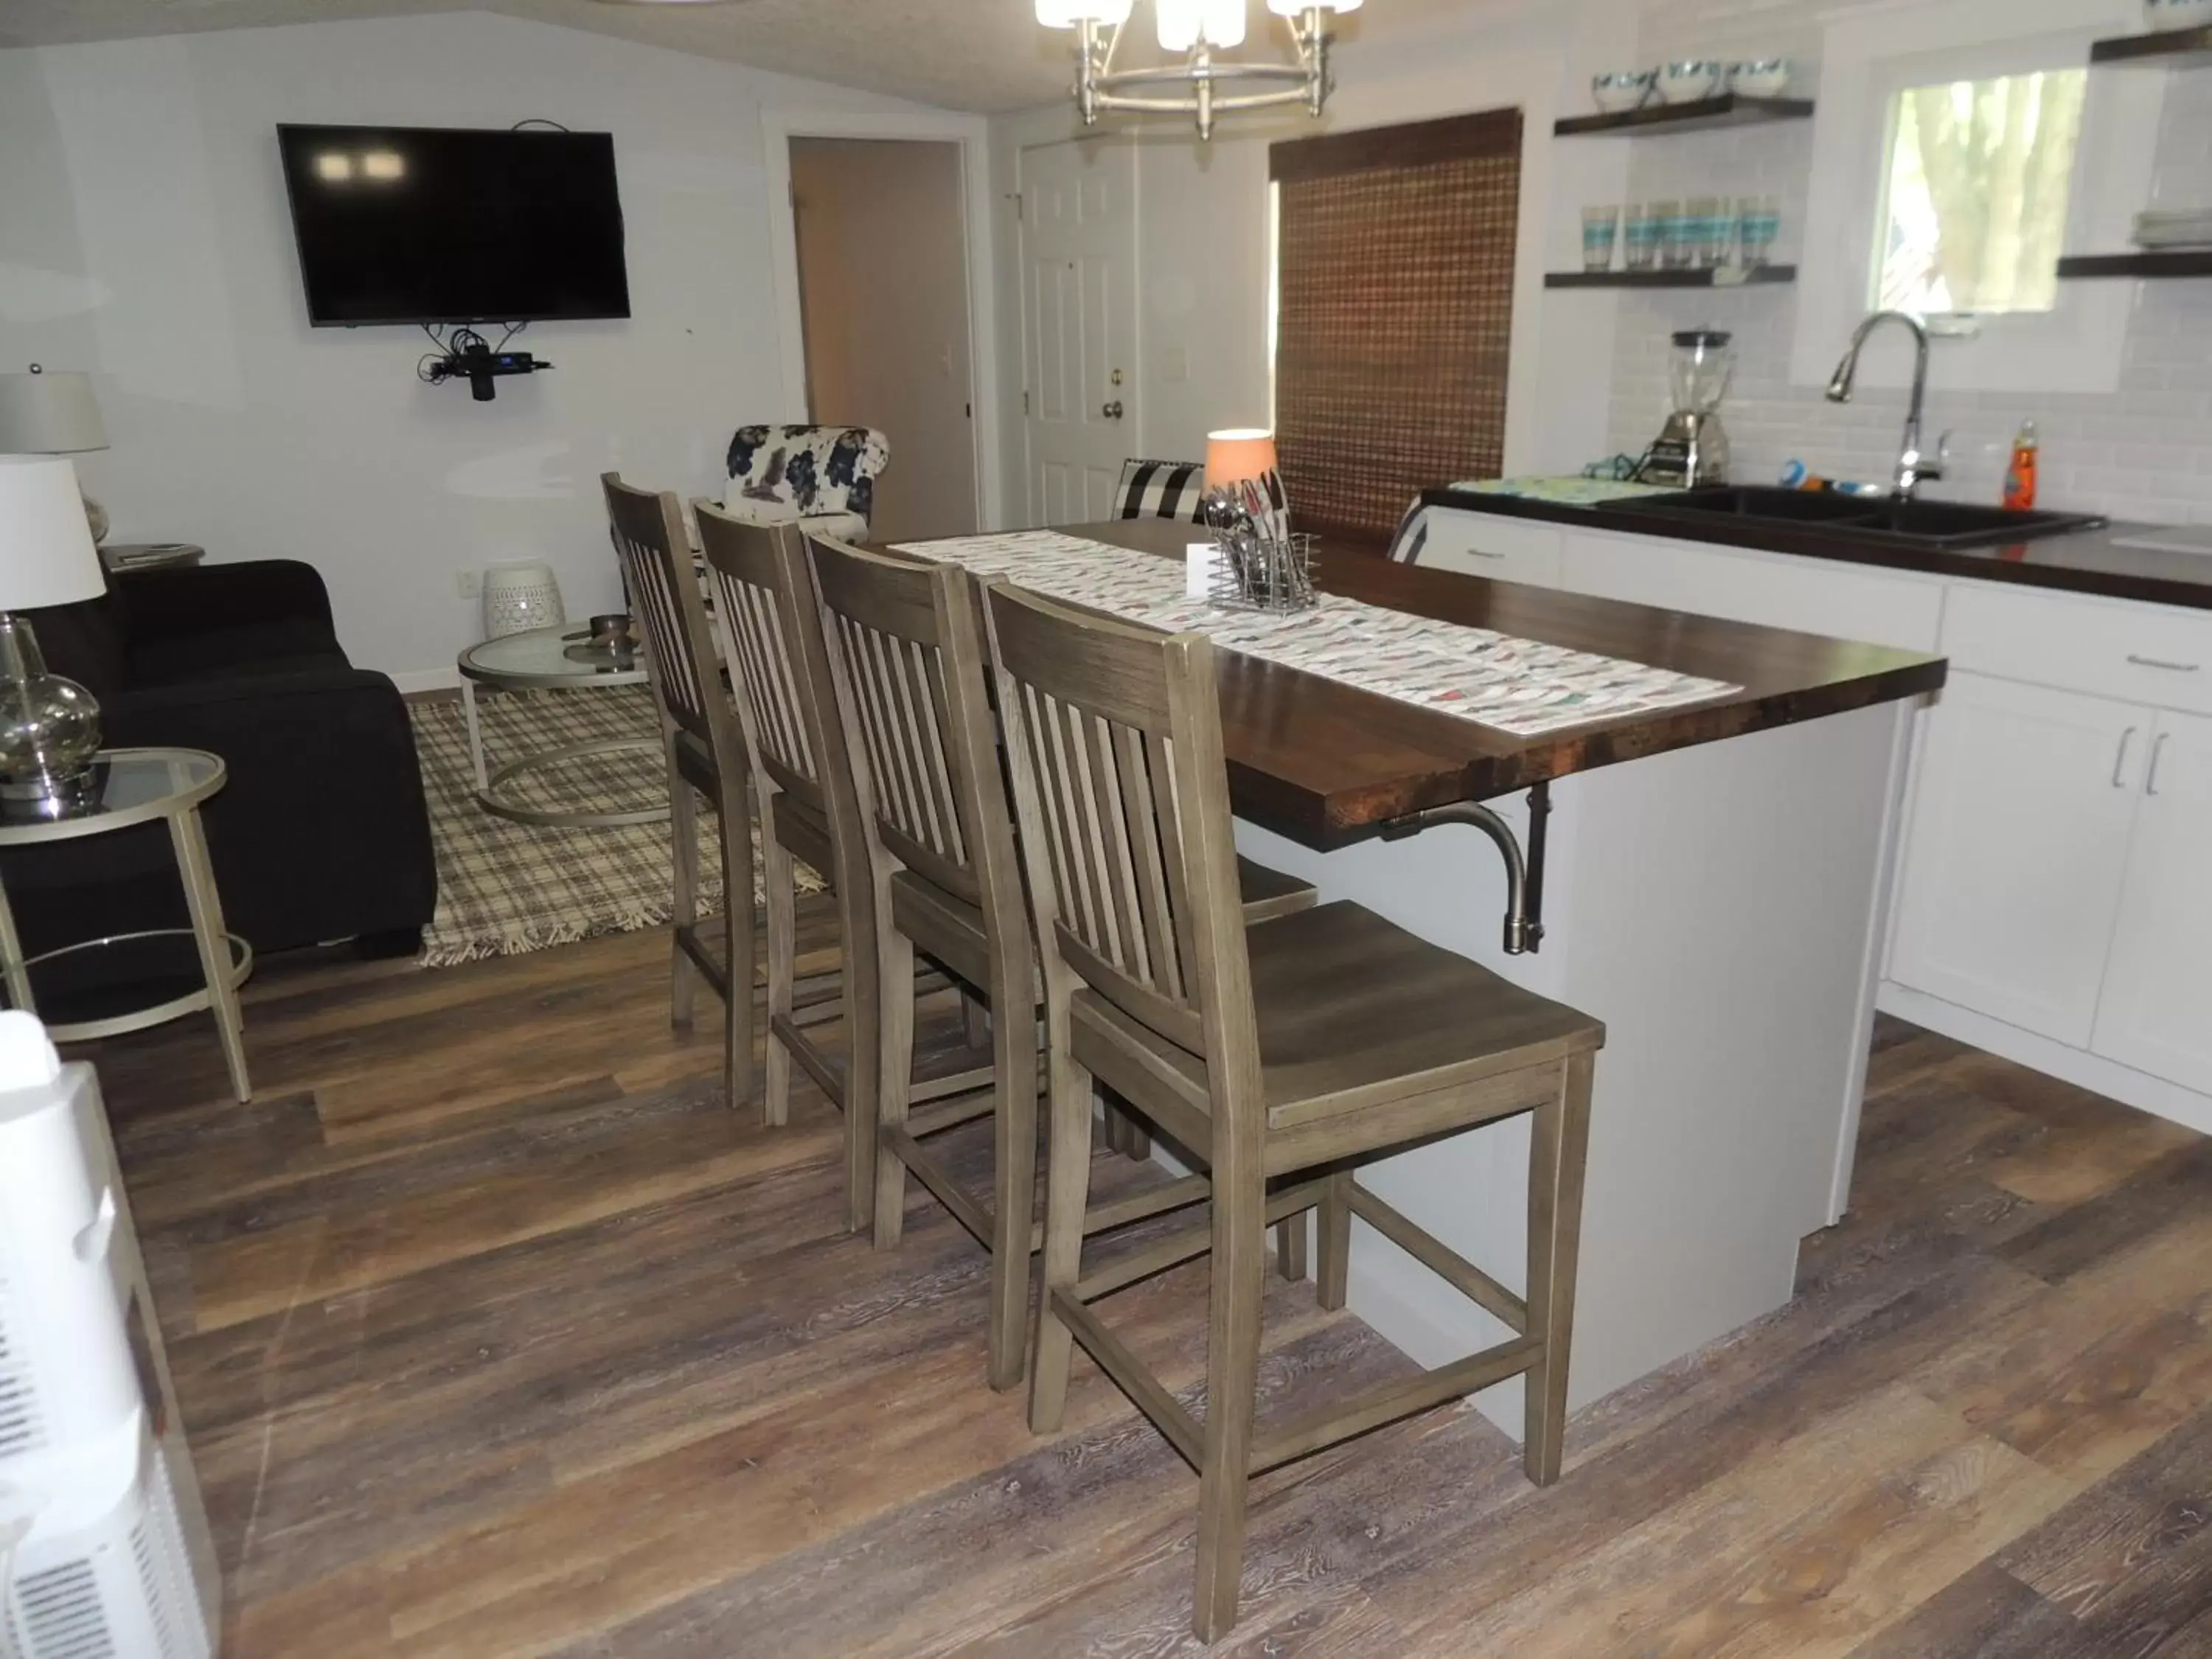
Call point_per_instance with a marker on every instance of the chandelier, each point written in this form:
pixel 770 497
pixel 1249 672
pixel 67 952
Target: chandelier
pixel 1202 85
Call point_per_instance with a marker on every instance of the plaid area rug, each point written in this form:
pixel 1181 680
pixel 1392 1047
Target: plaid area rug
pixel 505 888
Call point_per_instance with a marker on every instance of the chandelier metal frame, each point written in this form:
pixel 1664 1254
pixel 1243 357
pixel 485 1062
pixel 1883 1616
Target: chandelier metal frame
pixel 1100 87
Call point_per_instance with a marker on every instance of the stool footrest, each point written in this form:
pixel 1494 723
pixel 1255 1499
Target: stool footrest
pixel 1317 1430
pixel 1440 1259
pixel 1179 1248
pixel 714 970
pixel 1131 1375
pixel 827 1075
pixel 924 1167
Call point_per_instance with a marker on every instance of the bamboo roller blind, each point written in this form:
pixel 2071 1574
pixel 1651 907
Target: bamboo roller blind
pixel 1394 272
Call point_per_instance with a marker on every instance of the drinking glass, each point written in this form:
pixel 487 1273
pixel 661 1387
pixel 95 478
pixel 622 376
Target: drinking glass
pixel 1639 237
pixel 1759 222
pixel 1672 237
pixel 1707 234
pixel 1601 225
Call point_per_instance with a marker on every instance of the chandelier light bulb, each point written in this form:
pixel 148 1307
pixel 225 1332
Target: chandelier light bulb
pixel 1183 23
pixel 1066 14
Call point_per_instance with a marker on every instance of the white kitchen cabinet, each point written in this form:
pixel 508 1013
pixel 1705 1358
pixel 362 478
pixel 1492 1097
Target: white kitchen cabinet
pixel 2018 846
pixel 2156 1011
pixel 1504 549
pixel 1843 601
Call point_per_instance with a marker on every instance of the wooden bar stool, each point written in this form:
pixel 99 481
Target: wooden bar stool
pixel 907 668
pixel 765 605
pixel 1289 1053
pixel 705 753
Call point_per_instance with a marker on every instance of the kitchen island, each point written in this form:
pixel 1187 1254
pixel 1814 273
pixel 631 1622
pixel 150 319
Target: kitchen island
pixel 1713 880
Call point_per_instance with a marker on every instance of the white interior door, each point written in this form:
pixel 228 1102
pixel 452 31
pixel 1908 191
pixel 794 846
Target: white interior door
pixel 1080 324
pixel 2018 847
pixel 2156 1014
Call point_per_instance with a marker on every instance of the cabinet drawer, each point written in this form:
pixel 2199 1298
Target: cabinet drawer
pixel 2145 653
pixel 1773 590
pixel 1503 549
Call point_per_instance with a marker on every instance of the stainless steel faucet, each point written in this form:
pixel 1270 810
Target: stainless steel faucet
pixel 1912 467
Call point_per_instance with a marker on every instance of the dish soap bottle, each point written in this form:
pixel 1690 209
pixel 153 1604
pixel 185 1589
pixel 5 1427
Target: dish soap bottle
pixel 2020 476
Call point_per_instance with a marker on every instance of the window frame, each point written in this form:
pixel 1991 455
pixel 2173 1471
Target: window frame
pixel 1869 58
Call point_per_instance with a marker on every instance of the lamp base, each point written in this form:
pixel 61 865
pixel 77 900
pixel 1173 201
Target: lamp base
pixel 48 796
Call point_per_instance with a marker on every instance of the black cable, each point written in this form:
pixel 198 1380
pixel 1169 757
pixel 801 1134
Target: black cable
pixel 538 121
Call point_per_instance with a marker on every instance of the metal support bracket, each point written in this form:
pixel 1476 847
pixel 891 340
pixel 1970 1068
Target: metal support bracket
pixel 1524 874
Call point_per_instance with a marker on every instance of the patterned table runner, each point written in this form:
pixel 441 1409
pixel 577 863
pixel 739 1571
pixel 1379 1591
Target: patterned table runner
pixel 1516 686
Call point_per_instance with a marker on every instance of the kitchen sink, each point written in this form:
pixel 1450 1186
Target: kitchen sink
pixel 1941 526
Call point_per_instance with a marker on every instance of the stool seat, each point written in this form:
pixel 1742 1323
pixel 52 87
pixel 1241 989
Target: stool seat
pixel 1354 1014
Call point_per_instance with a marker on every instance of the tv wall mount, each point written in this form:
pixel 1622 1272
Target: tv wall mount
pixel 466 355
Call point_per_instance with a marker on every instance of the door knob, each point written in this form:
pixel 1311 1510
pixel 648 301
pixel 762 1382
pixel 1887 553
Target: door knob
pixel 1112 411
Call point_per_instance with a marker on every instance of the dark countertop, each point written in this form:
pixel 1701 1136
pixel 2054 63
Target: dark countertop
pixel 1328 764
pixel 2087 562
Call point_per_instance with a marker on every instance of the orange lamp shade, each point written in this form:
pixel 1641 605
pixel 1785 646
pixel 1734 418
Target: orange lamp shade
pixel 1237 454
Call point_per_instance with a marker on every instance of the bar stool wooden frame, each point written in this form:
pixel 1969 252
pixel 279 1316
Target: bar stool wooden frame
pixel 907 671
pixel 1286 1054
pixel 707 751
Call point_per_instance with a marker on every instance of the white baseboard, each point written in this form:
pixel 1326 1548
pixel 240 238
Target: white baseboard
pixel 428 679
pixel 2068 1063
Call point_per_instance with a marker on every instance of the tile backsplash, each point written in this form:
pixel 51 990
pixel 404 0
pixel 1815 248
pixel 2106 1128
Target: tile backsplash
pixel 2142 452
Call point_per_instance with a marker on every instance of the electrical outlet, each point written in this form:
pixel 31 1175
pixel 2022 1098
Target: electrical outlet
pixel 468 583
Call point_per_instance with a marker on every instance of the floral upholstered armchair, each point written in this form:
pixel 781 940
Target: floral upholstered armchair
pixel 823 476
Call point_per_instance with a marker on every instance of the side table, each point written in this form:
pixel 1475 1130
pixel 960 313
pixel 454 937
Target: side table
pixel 559 659
pixel 138 786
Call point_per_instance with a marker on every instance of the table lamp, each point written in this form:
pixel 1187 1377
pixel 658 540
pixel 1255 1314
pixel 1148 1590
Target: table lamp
pixel 49 726
pixel 43 412
pixel 1247 455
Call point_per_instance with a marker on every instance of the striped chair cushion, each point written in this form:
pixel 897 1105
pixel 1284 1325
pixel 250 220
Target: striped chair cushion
pixel 1411 536
pixel 1162 490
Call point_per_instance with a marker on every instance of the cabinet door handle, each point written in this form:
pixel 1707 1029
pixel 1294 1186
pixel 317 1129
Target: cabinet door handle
pixel 2120 760
pixel 1484 553
pixel 2157 754
pixel 2170 667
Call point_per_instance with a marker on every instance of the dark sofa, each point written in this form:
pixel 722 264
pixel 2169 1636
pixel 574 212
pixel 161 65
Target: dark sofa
pixel 319 834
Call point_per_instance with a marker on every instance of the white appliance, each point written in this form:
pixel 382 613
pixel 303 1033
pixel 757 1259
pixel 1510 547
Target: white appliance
pixel 112 1558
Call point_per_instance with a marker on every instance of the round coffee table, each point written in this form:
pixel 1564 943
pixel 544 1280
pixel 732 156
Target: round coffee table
pixel 133 786
pixel 549 660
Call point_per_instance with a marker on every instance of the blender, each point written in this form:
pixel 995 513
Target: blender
pixel 1692 448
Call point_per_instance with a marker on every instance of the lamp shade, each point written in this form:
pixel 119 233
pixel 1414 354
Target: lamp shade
pixel 49 413
pixel 1239 453
pixel 46 555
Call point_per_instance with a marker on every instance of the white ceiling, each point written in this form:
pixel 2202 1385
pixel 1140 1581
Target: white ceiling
pixel 987 55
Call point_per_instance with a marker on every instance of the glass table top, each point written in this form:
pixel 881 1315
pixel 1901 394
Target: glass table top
pixel 126 784
pixel 550 654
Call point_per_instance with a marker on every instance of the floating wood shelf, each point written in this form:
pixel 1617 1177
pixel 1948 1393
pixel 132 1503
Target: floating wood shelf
pixel 2158 262
pixel 1722 277
pixel 2178 47
pixel 1730 109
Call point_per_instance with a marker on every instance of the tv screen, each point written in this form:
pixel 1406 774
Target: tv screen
pixel 455 225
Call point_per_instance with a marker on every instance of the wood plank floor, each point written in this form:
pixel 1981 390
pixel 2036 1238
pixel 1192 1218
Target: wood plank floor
pixel 498 1334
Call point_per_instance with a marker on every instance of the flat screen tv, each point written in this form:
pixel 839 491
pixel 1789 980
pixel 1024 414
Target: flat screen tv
pixel 454 225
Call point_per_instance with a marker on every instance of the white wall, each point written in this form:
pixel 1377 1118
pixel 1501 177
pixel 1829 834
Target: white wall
pixel 2143 451
pixel 1203 252
pixel 887 342
pixel 144 237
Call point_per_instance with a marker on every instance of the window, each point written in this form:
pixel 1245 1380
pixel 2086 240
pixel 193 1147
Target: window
pixel 1953 162
pixel 1974 193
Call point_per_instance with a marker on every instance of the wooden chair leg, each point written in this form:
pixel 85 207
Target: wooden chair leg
pixel 1014 1063
pixel 741 942
pixel 1290 1247
pixel 1067 1195
pixel 894 1076
pixel 1332 1228
pixel 975 1018
pixel 860 997
pixel 1558 1152
pixel 782 970
pixel 1125 1133
pixel 1239 1278
pixel 683 855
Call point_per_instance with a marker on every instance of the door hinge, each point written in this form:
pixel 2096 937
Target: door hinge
pixel 1025 400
